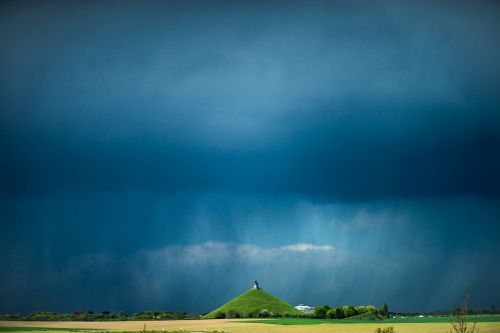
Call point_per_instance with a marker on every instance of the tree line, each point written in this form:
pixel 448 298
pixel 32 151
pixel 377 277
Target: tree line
pixel 349 311
pixel 99 316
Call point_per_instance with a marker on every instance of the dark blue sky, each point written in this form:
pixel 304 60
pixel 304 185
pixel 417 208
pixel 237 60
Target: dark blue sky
pixel 169 153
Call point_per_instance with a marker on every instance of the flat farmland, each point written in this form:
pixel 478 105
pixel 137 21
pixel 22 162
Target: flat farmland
pixel 229 325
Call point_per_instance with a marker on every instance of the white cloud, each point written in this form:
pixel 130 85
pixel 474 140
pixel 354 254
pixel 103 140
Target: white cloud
pixel 213 251
pixel 373 217
pixel 306 247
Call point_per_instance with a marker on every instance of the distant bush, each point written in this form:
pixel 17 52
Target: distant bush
pixel 389 329
pixel 264 313
pixel 150 315
pixel 459 322
pixel 320 311
pixel 349 311
pixel 219 315
pixel 366 316
pixel 361 309
pixel 339 314
pixel 330 314
pixel 384 310
pixel 233 314
pixel 253 313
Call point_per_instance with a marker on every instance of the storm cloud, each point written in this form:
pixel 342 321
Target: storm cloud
pixel 368 130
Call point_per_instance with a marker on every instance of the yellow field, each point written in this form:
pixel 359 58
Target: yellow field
pixel 237 326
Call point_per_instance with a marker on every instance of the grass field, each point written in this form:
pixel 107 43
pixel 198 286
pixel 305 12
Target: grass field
pixel 237 326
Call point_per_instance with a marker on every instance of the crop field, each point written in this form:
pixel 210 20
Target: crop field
pixel 241 326
pixel 401 320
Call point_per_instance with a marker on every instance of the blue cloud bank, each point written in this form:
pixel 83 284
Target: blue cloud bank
pixel 167 154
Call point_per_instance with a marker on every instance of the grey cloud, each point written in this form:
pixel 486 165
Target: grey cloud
pixel 394 251
pixel 177 272
pixel 371 128
pixel 324 100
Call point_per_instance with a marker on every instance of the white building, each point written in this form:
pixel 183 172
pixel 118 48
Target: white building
pixel 305 308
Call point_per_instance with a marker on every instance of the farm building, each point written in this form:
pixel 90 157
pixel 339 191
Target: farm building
pixel 305 308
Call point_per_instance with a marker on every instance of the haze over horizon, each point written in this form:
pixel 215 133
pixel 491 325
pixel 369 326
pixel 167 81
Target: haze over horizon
pixel 166 154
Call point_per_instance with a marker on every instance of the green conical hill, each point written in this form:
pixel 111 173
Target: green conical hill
pixel 253 301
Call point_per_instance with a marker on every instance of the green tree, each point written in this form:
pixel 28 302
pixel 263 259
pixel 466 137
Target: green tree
pixel 330 314
pixel 339 314
pixel 320 311
pixel 384 310
pixel 232 313
pixel 361 309
pixel 253 313
pixel 264 313
pixel 349 311
pixel 219 315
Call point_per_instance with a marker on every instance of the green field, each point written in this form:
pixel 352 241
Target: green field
pixel 406 320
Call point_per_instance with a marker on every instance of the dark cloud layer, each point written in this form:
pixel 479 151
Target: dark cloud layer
pixel 128 128
pixel 314 99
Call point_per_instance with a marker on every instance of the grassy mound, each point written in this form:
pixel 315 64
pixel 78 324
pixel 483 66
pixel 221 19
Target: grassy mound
pixel 251 303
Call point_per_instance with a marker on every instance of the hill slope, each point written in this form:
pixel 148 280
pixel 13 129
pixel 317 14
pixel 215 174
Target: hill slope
pixel 255 300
